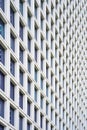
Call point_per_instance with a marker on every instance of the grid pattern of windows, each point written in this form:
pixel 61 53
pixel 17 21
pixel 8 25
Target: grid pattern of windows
pixel 43 64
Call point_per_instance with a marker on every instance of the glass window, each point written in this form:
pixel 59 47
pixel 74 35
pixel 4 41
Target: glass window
pixel 21 6
pixel 35 8
pixel 21 31
pixel 29 65
pixel 20 122
pixel 28 108
pixel 35 114
pixel 11 116
pixel 36 54
pixel 12 16
pixel 2 55
pixel 2 28
pixel 21 54
pixel 1 127
pixel 1 107
pixel 12 67
pixel 29 43
pixel 12 42
pixel 29 86
pixel 41 82
pixel 35 94
pixel 41 121
pixel 29 1
pixel 46 108
pixel 12 91
pixel 2 81
pixel 2 4
pixel 46 125
pixel 21 100
pixel 42 102
pixel 29 21
pixel 21 77
pixel 36 74
pixel 36 32
pixel 28 125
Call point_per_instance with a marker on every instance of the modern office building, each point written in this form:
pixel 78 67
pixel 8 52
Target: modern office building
pixel 43 64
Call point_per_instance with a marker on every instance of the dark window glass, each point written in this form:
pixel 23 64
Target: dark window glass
pixel 2 81
pixel 28 108
pixel 1 107
pixel 29 20
pixel 35 114
pixel 21 6
pixel 2 55
pixel 12 91
pixel 1 127
pixel 2 29
pixel 21 77
pixel 12 42
pixel 11 116
pixel 29 86
pixel 29 1
pixel 29 44
pixel 36 75
pixel 21 31
pixel 21 54
pixel 36 54
pixel 28 126
pixel 41 121
pixel 2 4
pixel 20 122
pixel 12 16
pixel 12 67
pixel 21 100
pixel 29 65
pixel 35 94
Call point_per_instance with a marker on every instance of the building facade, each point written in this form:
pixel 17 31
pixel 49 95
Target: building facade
pixel 43 64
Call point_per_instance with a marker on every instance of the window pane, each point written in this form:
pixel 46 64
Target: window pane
pixel 21 77
pixel 12 91
pixel 2 4
pixel 12 67
pixel 12 42
pixel 21 100
pixel 11 116
pixel 2 30
pixel 20 123
pixel 12 16
pixel 1 107
pixel 2 55
pixel 2 82
pixel 21 7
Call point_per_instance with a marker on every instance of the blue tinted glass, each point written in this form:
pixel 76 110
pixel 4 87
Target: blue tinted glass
pixel 21 77
pixel 2 80
pixel 21 100
pixel 12 116
pixel 29 86
pixel 12 16
pixel 1 108
pixel 12 91
pixel 2 30
pixel 2 54
pixel 12 40
pixel 29 44
pixel 21 55
pixel 28 108
pixel 2 4
pixel 21 7
pixel 12 67
pixel 21 31
pixel 1 127
pixel 20 123
pixel 28 126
